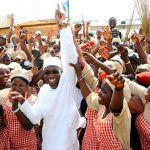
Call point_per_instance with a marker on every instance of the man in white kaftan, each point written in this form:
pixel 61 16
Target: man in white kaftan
pixel 58 106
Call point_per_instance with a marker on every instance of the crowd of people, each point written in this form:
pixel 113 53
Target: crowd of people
pixel 79 91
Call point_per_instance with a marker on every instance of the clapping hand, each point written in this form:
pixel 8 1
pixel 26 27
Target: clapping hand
pixel 15 97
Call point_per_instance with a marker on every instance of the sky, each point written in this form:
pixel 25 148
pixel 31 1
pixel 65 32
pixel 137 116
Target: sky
pixel 90 9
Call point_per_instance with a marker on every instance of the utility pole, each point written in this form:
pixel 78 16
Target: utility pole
pixel 68 10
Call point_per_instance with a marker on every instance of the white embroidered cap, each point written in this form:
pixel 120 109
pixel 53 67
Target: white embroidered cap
pixel 19 72
pixel 52 61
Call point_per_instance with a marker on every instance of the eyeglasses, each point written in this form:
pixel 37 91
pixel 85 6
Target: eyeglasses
pixel 54 71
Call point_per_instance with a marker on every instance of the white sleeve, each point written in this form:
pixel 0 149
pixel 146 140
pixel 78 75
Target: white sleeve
pixel 79 98
pixel 68 50
pixel 82 123
pixel 37 111
pixel 32 112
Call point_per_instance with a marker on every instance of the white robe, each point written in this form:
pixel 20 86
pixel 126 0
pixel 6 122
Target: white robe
pixel 58 106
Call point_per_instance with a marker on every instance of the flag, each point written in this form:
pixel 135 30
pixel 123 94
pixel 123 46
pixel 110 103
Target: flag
pixel 65 6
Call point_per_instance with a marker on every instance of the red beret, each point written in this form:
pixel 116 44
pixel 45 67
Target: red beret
pixel 143 78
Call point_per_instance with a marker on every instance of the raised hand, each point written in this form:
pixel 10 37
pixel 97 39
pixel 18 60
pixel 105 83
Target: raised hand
pixel 135 37
pixel 34 68
pixel 58 14
pixel 123 52
pixel 29 36
pixel 22 38
pixel 60 18
pixel 117 80
pixel 89 58
pixel 51 33
pixel 38 38
pixel 18 30
pixel 103 51
pixel 77 28
pixel 107 33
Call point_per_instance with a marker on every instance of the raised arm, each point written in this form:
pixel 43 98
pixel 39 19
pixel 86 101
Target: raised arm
pixel 107 36
pixel 124 55
pixel 36 77
pixel 140 51
pixel 116 103
pixel 93 102
pixel 9 35
pixel 68 51
pixel 87 30
pixel 96 62
pixel 22 40
pixel 39 40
